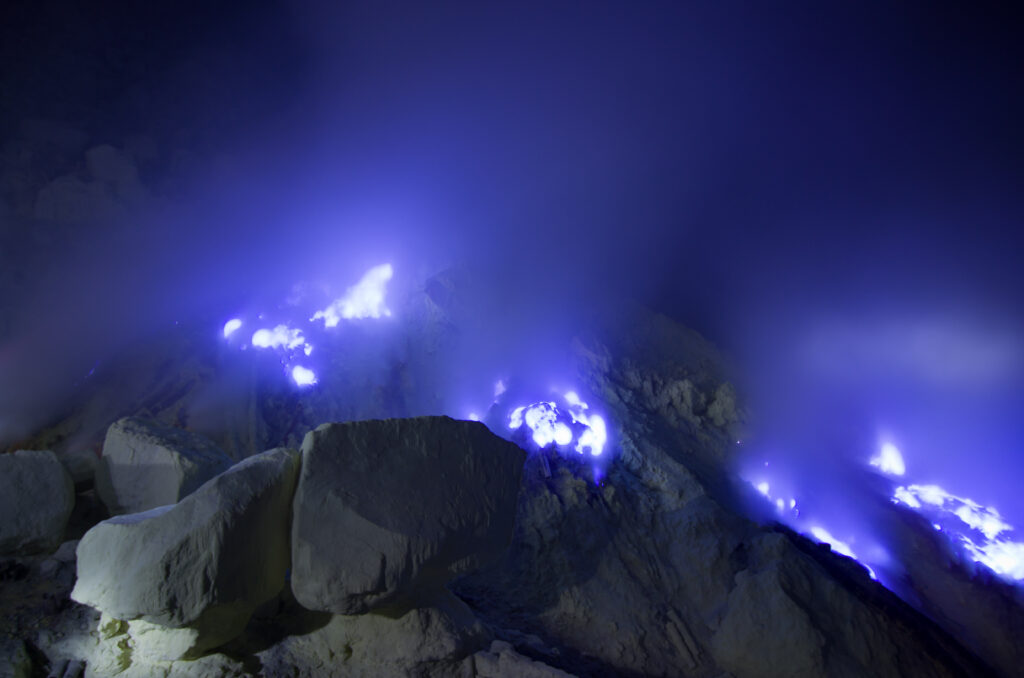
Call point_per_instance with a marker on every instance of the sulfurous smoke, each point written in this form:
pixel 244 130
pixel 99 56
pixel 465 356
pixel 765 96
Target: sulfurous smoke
pixel 831 194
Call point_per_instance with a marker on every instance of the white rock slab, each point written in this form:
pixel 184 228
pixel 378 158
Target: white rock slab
pixel 205 563
pixel 146 464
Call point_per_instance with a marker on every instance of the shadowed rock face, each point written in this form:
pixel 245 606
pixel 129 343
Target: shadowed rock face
pixel 386 511
pixel 654 571
pixel 36 498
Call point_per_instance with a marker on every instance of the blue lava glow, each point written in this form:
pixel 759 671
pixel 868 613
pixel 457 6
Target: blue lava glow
pixel 838 545
pixel 783 505
pixel 786 510
pixel 281 336
pixel 889 460
pixel 303 376
pixel 365 299
pixel 542 420
pixel 595 434
pixel 231 326
pixel 549 424
pixel 978 529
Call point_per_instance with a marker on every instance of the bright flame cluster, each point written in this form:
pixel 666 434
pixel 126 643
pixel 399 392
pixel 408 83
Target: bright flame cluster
pixel 889 460
pixel 281 336
pixel 982 539
pixel 365 299
pixel 781 505
pixel 550 424
pixel 950 513
pixel 231 326
pixel 303 376
pixel 595 433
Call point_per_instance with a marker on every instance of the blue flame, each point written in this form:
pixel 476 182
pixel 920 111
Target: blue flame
pixel 595 433
pixel 281 336
pixel 549 424
pixel 978 529
pixel 303 376
pixel 839 546
pixel 889 460
pixel 231 326
pixel 365 299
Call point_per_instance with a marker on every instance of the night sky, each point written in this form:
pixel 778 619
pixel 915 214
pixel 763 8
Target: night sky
pixel 833 193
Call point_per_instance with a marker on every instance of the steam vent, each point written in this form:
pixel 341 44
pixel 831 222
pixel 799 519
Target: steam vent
pixel 511 340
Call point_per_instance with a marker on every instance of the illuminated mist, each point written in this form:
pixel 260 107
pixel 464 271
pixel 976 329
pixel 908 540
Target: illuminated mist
pixel 833 195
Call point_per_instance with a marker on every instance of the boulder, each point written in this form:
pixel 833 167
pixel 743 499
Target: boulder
pixel 387 511
pixel 36 498
pixel 202 565
pixel 146 464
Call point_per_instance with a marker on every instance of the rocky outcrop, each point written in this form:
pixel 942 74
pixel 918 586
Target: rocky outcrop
pixel 199 567
pixel 709 591
pixel 655 570
pixel 146 464
pixel 502 661
pixel 36 499
pixel 387 511
pixel 985 613
pixel 15 661
pixel 420 642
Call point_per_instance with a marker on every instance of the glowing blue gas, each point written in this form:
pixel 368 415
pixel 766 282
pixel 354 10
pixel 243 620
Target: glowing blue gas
pixel 838 545
pixel 542 420
pixel 978 529
pixel 787 510
pixel 303 376
pixel 281 336
pixel 365 299
pixel 230 327
pixel 550 424
pixel 782 504
pixel 889 460
pixel 595 433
